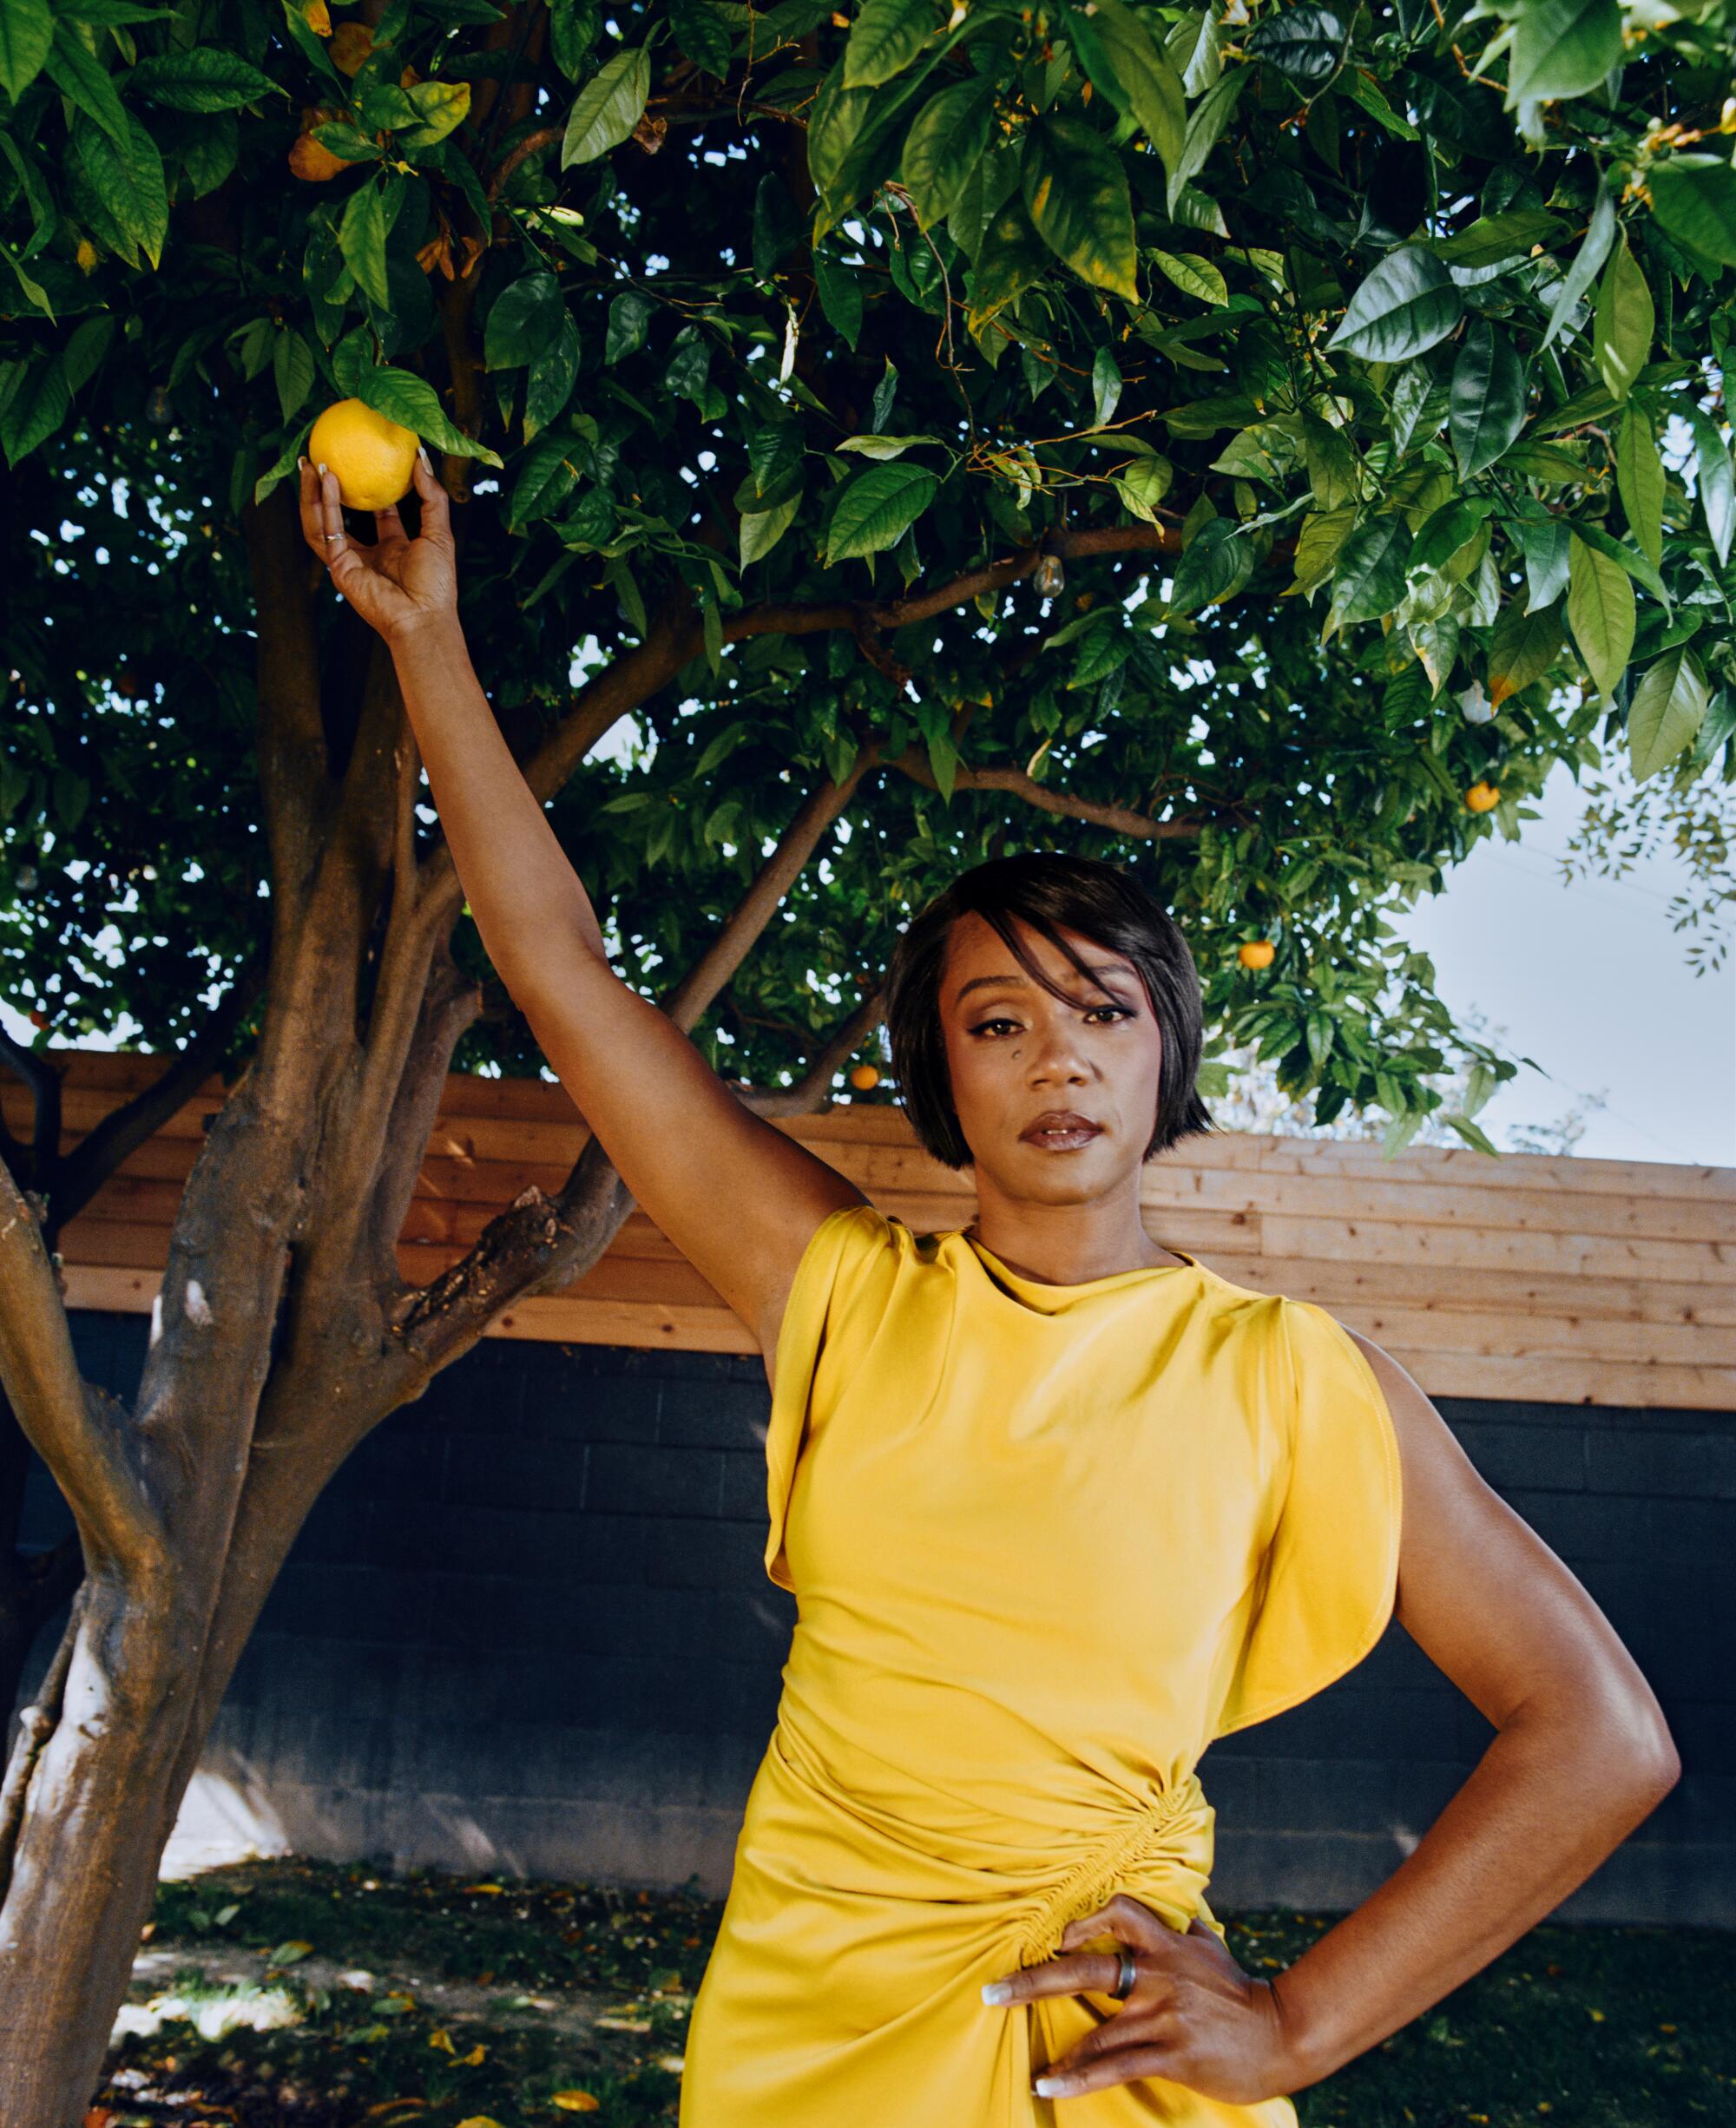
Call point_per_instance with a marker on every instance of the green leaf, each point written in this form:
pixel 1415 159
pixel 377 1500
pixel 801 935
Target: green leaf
pixel 946 140
pixel 1600 235
pixel 361 240
pixel 1622 324
pixel 412 402
pixel 840 297
pixel 444 106
pixel 760 529
pixel 26 37
pixel 1141 84
pixel 1522 649
pixel 1640 481
pixel 1638 566
pixel 203 78
pixel 607 108
pixel 1694 198
pixel 1544 543
pixel 1105 386
pixel 883 446
pixel 127 183
pixel 1011 257
pixel 37 405
pixel 874 510
pixel 1487 407
pixel 884 38
pixel 1211 116
pixel 1143 484
pixel 1667 709
pixel 1076 192
pixel 702 32
pixel 1214 565
pixel 1407 304
pixel 1561 48
pixel 1361 89
pixel 1193 275
pixel 525 321
pixel 87 82
pixel 1317 547
pixel 1600 612
pixel 1493 238
pixel 1305 43
pixel 630 315
pixel 1331 461
pixel 1370 578
pixel 1714 480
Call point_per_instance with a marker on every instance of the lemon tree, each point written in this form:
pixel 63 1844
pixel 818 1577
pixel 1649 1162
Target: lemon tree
pixel 1256 442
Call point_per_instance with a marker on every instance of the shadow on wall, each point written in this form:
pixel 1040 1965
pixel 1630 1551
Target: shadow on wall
pixel 527 1630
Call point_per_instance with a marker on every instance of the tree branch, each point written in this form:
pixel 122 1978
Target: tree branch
pixel 688 1001
pixel 811 1094
pixel 38 1073
pixel 77 1429
pixel 1119 819
pixel 124 1130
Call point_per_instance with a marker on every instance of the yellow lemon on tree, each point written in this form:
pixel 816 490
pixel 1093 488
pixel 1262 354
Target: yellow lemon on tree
pixel 864 1076
pixel 1256 952
pixel 1482 796
pixel 371 454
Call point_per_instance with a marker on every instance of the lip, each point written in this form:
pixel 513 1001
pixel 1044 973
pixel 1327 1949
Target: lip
pixel 1070 1129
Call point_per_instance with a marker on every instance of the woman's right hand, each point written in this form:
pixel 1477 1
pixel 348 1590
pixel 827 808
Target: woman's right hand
pixel 398 583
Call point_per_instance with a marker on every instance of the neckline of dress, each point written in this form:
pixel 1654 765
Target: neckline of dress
pixel 1048 1290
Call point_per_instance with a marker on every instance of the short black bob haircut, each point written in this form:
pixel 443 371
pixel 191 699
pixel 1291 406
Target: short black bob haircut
pixel 1100 901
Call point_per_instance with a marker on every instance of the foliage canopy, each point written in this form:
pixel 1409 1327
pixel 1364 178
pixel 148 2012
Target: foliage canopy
pixel 1220 436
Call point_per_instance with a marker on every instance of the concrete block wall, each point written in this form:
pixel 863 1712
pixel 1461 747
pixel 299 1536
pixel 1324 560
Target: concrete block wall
pixel 527 1629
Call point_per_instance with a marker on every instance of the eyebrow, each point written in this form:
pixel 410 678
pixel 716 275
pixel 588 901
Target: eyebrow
pixel 1003 981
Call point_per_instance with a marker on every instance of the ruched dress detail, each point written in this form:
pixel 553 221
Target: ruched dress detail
pixel 1047 1543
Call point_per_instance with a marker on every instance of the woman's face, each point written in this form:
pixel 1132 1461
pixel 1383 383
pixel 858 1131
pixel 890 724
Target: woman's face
pixel 1017 1052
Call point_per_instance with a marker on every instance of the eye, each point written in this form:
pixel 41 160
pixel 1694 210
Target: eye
pixel 1119 1012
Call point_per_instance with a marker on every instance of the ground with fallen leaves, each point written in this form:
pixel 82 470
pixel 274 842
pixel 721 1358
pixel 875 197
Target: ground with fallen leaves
pixel 300 1994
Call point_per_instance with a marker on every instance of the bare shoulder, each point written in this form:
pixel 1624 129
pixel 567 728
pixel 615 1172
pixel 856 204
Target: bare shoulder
pixel 1479 1590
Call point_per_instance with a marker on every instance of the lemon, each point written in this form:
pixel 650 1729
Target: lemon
pixel 864 1076
pixel 372 454
pixel 1480 796
pixel 1256 952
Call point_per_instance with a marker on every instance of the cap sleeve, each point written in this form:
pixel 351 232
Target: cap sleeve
pixel 833 1280
pixel 1330 1573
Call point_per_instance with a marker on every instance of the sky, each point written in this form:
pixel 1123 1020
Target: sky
pixel 1590 980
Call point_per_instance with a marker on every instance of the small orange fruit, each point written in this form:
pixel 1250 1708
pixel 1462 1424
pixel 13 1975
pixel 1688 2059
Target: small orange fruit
pixel 864 1076
pixel 372 454
pixel 1256 952
pixel 1480 796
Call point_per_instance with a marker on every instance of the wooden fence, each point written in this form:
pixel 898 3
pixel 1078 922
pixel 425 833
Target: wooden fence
pixel 1528 1277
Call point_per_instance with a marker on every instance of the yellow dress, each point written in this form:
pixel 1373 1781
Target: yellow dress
pixel 1047 1543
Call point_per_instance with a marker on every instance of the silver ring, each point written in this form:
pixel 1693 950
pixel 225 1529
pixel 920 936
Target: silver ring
pixel 1126 1976
pixel 331 535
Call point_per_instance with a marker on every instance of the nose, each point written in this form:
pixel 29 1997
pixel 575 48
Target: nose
pixel 1057 1054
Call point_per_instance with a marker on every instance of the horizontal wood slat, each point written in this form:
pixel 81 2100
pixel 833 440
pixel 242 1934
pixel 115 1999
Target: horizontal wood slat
pixel 1533 1277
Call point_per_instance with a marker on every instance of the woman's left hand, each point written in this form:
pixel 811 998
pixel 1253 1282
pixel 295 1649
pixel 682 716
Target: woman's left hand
pixel 1194 2016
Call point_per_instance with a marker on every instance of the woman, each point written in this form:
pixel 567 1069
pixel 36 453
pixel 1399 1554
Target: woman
pixel 1060 1507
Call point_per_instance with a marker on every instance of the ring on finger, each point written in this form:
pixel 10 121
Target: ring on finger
pixel 1126 1973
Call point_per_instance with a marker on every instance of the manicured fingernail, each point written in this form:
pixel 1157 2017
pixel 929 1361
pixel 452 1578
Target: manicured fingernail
pixel 322 469
pixel 422 453
pixel 996 1991
pixel 301 465
pixel 1051 2086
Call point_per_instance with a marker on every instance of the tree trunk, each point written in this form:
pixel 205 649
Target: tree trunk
pixel 286 1332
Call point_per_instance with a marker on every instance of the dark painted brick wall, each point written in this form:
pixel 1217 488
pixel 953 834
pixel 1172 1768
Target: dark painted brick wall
pixel 527 1628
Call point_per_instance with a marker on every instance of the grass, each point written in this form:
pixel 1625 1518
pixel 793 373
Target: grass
pixel 298 1994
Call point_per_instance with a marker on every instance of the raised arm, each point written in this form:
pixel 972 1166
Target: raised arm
pixel 738 1197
